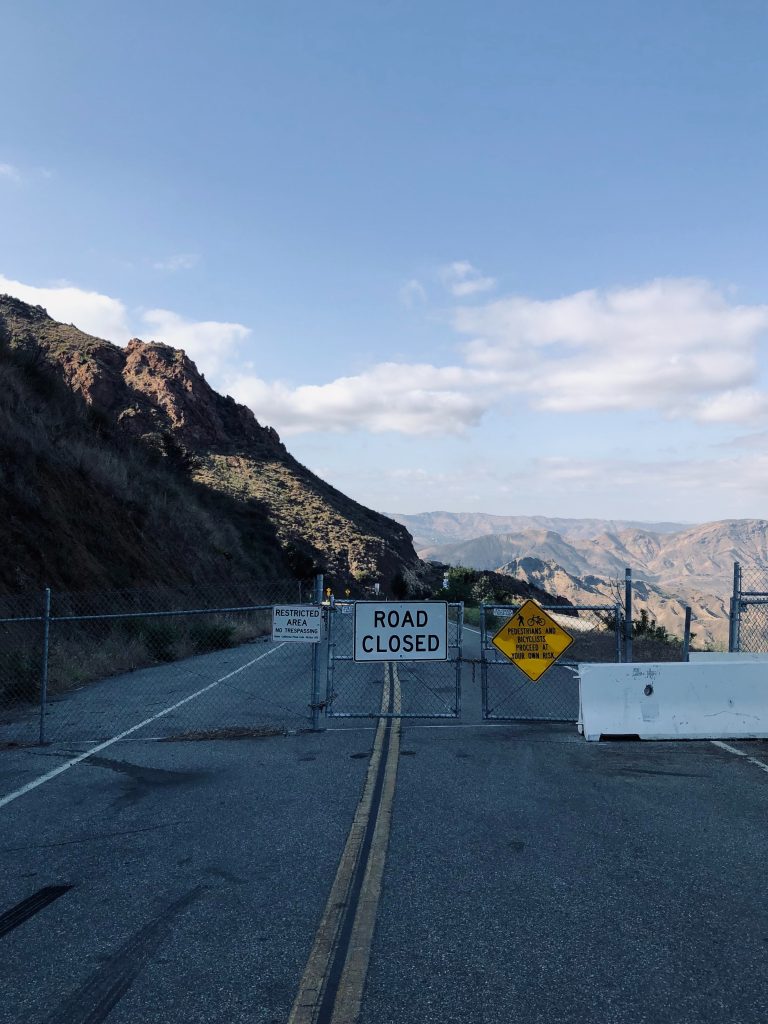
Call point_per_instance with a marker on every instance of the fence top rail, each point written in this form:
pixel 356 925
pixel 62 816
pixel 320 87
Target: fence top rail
pixel 151 615
pixel 556 607
pixel 384 600
pixel 23 618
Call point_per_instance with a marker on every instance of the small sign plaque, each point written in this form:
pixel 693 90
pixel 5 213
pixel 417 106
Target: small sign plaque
pixel 301 623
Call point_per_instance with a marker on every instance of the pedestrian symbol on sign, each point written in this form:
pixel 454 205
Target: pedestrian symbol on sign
pixel 532 640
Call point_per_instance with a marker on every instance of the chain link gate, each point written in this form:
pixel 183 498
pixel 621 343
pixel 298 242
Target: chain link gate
pixel 749 609
pixel 83 667
pixel 509 695
pixel 428 689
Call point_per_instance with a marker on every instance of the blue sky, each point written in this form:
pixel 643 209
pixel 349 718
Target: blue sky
pixel 502 257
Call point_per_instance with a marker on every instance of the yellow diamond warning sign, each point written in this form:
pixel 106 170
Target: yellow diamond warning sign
pixel 532 640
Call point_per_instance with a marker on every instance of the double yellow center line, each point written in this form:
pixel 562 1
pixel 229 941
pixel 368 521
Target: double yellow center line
pixel 331 988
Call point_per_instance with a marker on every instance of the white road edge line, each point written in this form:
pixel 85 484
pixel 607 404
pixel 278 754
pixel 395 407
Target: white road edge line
pixel 134 728
pixel 471 629
pixel 729 748
pixel 741 753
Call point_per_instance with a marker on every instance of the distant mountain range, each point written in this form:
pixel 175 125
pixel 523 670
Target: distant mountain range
pixel 436 528
pixel 584 559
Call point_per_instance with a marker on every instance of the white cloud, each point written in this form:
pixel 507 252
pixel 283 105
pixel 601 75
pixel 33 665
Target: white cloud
pixel 212 344
pixel 757 441
pixel 90 311
pixel 413 293
pixel 179 261
pixel 463 280
pixel 408 398
pixel 673 345
pixel 729 478
pixel 678 347
pixel 10 172
pixel 741 405
pixel 629 487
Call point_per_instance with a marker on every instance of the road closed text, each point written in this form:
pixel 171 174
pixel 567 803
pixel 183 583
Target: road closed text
pixel 413 631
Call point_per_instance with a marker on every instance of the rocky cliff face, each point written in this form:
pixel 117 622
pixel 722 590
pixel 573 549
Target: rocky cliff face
pixel 691 565
pixel 156 395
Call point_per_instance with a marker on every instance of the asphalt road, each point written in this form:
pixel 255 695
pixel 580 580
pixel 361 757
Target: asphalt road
pixel 530 877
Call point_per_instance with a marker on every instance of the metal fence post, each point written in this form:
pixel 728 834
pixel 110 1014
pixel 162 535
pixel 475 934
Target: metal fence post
pixel 617 630
pixel 687 634
pixel 44 675
pixel 459 659
pixel 483 667
pixel 734 632
pixel 628 615
pixel 315 698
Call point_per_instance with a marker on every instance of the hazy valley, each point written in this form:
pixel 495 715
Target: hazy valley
pixel 674 564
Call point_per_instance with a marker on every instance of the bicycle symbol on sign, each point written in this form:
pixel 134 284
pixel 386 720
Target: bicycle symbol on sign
pixel 532 620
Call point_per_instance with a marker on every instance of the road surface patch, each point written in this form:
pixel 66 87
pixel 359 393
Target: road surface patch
pixel 23 790
pixel 30 906
pixel 741 753
pixel 94 1001
pixel 331 988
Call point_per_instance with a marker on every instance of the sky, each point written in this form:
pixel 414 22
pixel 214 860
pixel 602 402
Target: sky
pixel 482 256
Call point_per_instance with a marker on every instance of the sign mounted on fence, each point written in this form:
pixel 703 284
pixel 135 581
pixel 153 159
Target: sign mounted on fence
pixel 401 631
pixel 532 640
pixel 303 622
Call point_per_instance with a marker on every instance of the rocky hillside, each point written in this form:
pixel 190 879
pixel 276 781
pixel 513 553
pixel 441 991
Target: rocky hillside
pixel 150 401
pixel 667 609
pixel 692 565
pixel 699 556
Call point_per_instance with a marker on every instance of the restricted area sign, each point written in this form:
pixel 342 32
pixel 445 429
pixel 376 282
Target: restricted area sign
pixel 401 631
pixel 532 640
pixel 302 622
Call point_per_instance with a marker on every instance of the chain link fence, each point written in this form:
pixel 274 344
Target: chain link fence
pixel 509 695
pixel 79 668
pixel 428 689
pixel 749 609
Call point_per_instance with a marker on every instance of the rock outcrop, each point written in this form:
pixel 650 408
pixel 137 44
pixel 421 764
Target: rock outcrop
pixel 155 395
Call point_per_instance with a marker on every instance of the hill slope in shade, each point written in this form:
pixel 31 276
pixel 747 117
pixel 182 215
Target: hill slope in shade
pixel 149 400
pixel 83 507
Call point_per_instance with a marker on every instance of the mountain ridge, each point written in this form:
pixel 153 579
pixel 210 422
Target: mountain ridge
pixel 671 568
pixel 437 528
pixel 154 396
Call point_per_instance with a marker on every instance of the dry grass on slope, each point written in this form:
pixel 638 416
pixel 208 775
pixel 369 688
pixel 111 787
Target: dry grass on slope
pixel 348 540
pixel 82 506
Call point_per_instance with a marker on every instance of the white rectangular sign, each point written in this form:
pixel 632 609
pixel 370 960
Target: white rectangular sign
pixel 299 622
pixel 401 631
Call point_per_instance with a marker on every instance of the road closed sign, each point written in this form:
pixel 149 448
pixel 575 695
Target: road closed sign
pixel 297 622
pixel 401 631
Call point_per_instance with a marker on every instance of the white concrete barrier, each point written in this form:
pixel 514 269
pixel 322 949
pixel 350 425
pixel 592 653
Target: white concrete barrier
pixel 675 701
pixel 733 656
